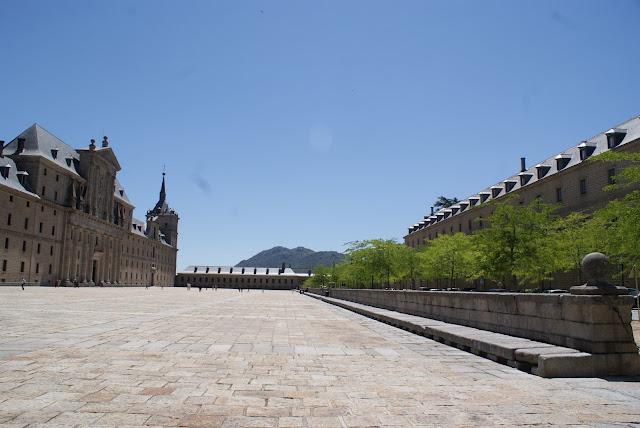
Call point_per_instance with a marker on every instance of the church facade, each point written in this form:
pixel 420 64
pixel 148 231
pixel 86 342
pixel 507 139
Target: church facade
pixel 65 218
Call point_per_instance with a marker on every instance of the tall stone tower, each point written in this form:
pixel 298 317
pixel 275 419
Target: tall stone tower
pixel 166 218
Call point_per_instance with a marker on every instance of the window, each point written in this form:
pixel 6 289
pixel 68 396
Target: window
pixel 40 227
pixel 28 204
pixel 611 176
pixel 50 268
pixel 55 195
pixel 558 194
pixel 10 198
pixel 469 225
pixel 24 246
pixel 4 266
pixel 21 266
pixel 583 186
pixel 37 267
pixel 9 220
pixel 26 223
pixel 43 190
pixel 57 177
pixel 6 243
pixel 45 171
pixel 459 227
pixel 38 250
pixel 51 251
pixel 53 230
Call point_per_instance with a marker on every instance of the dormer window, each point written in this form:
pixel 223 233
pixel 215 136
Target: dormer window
pixel 54 153
pixel 255 270
pixel 586 150
pixel 447 213
pixel 495 191
pixel 207 271
pixel 484 196
pixel 22 177
pixel 509 185
pixel 615 137
pixel 463 206
pixel 474 201
pixel 454 210
pixel 267 271
pixel 68 160
pixel 4 170
pixel 219 270
pixel 524 178
pixel 243 271
pixel 542 170
pixel 562 161
pixel 195 269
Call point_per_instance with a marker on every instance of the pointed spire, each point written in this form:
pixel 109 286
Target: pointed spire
pixel 163 193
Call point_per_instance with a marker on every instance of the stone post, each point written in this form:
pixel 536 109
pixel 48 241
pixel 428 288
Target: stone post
pixel 596 269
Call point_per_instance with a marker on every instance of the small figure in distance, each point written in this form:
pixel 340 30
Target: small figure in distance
pixel 75 283
pixel 22 283
pixel 200 288
pixel 188 286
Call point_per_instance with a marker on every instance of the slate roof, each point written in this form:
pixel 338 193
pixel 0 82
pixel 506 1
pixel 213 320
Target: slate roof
pixel 40 142
pixel 120 193
pixel 563 161
pixel 12 177
pixel 227 270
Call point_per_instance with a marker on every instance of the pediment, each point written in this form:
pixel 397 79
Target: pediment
pixel 107 154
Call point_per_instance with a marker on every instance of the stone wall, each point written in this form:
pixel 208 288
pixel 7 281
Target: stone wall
pixel 594 324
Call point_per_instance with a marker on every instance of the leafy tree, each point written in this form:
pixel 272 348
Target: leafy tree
pixel 618 230
pixel 576 235
pixel 517 246
pixel 380 260
pixel 449 256
pixel 444 202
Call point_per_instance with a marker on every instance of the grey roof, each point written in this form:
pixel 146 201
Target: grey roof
pixel 138 227
pixel 227 270
pixel 40 142
pixel 598 142
pixel 120 193
pixel 12 177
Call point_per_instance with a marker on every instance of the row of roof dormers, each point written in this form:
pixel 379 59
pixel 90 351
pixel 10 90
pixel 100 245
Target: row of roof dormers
pixel 37 141
pixel 234 270
pixel 615 137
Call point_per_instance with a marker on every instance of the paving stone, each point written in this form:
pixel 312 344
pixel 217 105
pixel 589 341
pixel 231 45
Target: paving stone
pixel 131 357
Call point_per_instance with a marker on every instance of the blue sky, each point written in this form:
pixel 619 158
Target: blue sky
pixel 315 123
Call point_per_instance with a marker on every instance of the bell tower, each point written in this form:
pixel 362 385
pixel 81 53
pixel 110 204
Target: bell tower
pixel 166 217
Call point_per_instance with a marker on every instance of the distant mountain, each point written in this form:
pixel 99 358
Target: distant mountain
pixel 297 258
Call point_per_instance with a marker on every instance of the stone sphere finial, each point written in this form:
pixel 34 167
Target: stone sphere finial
pixel 595 267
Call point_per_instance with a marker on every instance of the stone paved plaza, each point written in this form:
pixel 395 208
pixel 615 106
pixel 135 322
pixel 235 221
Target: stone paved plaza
pixel 172 357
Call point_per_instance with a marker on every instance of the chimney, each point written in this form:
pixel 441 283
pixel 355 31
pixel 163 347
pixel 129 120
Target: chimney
pixel 1 148
pixel 92 144
pixel 523 165
pixel 20 145
pixel 431 210
pixel 105 141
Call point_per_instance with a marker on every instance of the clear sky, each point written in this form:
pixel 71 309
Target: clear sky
pixel 315 123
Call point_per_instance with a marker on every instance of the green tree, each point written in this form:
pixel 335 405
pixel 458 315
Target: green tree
pixel 449 256
pixel 517 247
pixel 576 235
pixel 376 261
pixel 444 202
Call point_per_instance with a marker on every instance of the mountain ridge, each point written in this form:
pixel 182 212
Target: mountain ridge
pixel 296 258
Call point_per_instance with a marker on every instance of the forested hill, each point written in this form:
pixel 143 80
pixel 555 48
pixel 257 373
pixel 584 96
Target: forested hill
pixel 296 258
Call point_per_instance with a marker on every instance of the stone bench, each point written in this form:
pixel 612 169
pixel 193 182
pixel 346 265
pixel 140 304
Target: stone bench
pixel 536 357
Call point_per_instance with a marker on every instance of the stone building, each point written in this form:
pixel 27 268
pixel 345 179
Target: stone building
pixel 65 216
pixel 568 180
pixel 240 277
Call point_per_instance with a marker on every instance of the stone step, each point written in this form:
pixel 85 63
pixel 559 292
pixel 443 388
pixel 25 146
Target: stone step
pixel 538 358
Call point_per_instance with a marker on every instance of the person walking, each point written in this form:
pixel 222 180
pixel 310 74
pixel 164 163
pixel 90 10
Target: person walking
pixel 22 283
